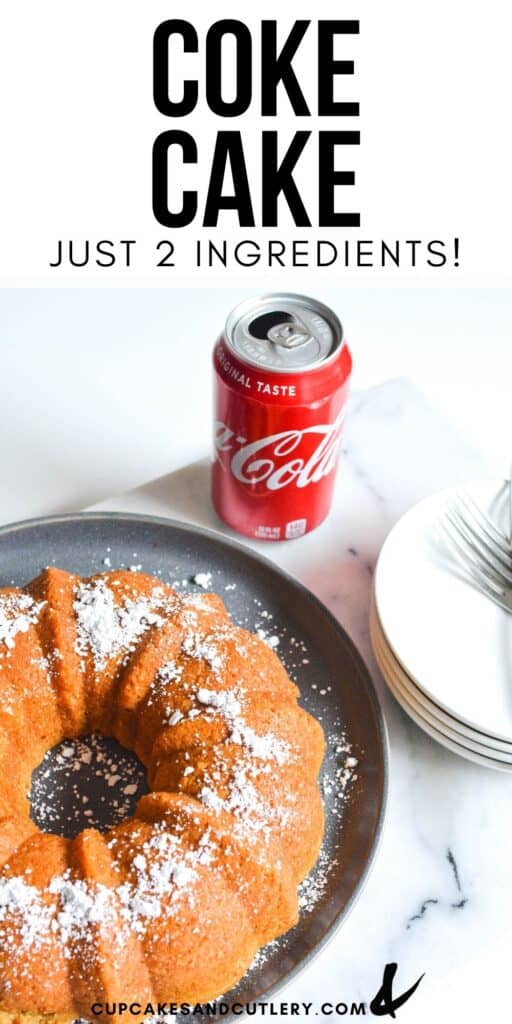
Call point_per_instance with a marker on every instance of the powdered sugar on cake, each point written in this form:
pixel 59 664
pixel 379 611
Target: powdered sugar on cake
pixel 104 629
pixel 164 873
pixel 203 648
pixel 18 612
pixel 259 751
pixel 229 704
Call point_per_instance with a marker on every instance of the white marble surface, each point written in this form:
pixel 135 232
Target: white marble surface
pixel 439 899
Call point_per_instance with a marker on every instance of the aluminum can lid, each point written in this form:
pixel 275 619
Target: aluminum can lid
pixel 284 333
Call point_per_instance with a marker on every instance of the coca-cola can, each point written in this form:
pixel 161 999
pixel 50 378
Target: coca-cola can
pixel 282 373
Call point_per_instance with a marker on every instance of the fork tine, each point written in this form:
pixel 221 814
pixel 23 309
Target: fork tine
pixel 479 546
pixel 469 558
pixel 483 544
pixel 510 509
pixel 493 571
pixel 502 600
pixel 476 578
pixel 489 527
pixel 483 522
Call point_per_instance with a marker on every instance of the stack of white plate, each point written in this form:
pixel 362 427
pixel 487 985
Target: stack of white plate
pixel 443 648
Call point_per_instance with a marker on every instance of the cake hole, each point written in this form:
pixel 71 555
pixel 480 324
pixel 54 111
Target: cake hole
pixel 92 782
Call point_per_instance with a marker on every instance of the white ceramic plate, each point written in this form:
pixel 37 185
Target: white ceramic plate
pixel 441 718
pixel 453 642
pixel 403 689
pixel 455 747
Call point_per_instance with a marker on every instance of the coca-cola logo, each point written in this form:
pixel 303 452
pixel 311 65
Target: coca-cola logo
pixel 298 457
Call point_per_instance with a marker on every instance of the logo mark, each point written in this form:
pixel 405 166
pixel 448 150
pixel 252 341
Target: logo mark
pixel 299 457
pixel 384 1004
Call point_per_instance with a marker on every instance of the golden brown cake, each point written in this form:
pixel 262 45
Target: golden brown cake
pixel 172 904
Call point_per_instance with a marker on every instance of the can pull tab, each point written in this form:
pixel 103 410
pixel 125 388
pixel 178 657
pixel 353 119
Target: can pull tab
pixel 290 335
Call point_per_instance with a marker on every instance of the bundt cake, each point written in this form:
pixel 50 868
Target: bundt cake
pixel 172 904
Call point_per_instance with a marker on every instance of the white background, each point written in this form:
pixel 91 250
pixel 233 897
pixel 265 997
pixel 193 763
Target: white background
pixel 78 125
pixel 102 390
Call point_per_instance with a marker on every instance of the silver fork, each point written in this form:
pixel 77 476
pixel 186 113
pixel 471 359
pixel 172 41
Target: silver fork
pixel 510 508
pixel 482 547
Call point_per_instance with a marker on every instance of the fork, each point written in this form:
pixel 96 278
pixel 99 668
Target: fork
pixel 482 547
pixel 510 508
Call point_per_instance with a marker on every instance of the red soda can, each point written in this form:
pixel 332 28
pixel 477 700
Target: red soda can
pixel 282 373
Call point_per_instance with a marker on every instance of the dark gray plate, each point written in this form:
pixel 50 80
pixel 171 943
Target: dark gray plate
pixel 334 683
